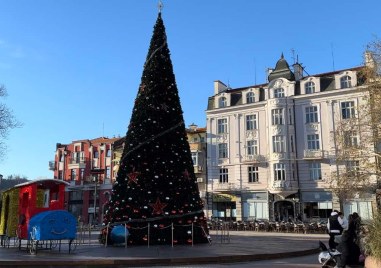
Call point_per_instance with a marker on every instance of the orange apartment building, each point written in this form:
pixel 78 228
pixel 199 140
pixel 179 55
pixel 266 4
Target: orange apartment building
pixel 90 166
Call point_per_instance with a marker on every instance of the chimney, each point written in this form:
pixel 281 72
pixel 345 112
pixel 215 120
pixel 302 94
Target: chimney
pixel 268 72
pixel 219 87
pixel 298 71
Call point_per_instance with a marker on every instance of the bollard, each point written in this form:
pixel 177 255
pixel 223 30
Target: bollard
pixel 192 234
pixel 125 235
pixel 172 233
pixel 107 234
pixel 148 233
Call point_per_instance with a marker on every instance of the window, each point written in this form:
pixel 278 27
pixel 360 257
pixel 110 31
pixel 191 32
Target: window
pixel 224 175
pixel 222 150
pixel 108 172
pixel 60 175
pixel 313 142
pixel 62 157
pixel 73 174
pixel 315 171
pixel 253 173
pixel 345 81
pixel 222 102
pixel 222 126
pixel 251 122
pixel 278 144
pixel 250 97
pixel 311 114
pixel 278 93
pixel 195 158
pixel 277 116
pixel 350 139
pixel 292 143
pixel 347 109
pixel 309 87
pixel 352 167
pixel 279 172
pixel 108 152
pixel 96 154
pixel 290 117
pixel 252 147
pixel 81 174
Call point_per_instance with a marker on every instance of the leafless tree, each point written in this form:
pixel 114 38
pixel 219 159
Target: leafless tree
pixel 7 122
pixel 358 138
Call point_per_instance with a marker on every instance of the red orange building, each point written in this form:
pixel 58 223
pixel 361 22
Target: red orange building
pixel 90 167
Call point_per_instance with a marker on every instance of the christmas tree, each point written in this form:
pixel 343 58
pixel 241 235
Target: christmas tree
pixel 156 192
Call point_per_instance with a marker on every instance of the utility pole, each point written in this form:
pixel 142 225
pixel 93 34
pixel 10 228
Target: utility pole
pixel 95 180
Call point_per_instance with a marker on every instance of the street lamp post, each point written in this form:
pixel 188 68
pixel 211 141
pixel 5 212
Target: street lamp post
pixel 95 180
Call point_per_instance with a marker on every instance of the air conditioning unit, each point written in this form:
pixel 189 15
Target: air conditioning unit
pixel 200 179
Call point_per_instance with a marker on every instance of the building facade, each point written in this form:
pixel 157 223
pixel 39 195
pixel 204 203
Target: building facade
pixel 90 167
pixel 197 143
pixel 271 147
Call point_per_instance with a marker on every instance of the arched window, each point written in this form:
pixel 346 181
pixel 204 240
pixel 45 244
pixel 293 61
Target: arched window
pixel 345 82
pixel 250 97
pixel 222 102
pixel 309 87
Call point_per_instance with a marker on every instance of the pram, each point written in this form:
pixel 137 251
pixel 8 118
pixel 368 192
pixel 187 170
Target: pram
pixel 327 257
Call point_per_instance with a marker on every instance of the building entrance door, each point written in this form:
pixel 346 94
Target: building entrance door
pixel 284 210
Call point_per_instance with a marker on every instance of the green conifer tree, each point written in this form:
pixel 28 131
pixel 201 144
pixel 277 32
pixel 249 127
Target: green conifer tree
pixel 156 185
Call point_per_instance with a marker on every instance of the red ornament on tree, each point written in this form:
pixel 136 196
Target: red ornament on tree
pixel 133 176
pixel 158 207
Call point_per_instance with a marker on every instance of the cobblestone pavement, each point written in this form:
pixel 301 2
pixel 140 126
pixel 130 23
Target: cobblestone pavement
pixel 239 246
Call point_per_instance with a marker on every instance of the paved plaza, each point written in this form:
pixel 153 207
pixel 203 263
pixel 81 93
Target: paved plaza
pixel 238 246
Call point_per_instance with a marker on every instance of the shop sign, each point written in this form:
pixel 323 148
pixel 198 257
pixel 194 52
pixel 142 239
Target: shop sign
pixel 224 198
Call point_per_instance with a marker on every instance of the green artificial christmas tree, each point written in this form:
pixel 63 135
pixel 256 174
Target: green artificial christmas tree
pixel 156 192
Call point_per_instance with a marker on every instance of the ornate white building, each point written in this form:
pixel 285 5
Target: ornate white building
pixel 271 147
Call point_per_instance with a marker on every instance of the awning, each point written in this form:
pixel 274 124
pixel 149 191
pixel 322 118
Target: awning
pixel 224 198
pixel 321 196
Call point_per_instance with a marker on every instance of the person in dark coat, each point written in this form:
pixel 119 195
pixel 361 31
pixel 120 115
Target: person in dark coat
pixel 350 251
pixel 334 228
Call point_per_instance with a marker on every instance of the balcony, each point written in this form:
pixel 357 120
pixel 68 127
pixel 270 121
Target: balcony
pixel 52 165
pixel 278 156
pixel 283 188
pixel 313 154
pixel 77 162
pixel 198 169
pixel 196 146
pixel 255 158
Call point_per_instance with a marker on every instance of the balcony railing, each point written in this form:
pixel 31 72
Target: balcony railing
pixel 283 188
pixel 52 165
pixel 78 160
pixel 255 158
pixel 313 154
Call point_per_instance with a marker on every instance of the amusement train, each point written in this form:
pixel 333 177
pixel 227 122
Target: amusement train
pixel 34 211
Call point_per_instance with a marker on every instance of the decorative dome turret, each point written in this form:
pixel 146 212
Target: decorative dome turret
pixel 282 70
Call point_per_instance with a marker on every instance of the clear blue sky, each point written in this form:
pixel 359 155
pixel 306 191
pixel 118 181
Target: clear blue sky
pixel 72 68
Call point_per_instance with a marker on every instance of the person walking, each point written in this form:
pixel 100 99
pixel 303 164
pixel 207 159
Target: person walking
pixel 344 221
pixel 350 252
pixel 334 227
